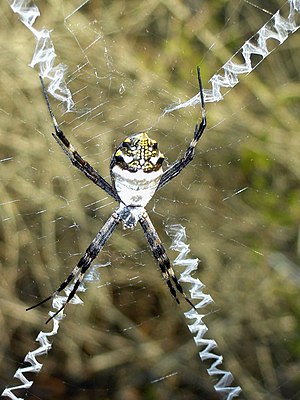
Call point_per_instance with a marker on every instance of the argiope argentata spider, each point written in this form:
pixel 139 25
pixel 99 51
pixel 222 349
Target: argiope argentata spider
pixel 136 174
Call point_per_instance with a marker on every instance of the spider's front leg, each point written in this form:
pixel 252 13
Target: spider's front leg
pixel 162 259
pixel 73 154
pixel 179 165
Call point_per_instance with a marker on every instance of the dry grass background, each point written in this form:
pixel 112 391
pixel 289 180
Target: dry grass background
pixel 129 331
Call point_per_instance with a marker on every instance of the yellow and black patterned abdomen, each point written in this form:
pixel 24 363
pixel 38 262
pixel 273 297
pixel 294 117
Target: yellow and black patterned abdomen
pixel 136 169
pixel 138 152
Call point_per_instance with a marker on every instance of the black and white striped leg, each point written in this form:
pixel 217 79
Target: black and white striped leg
pixel 74 156
pixel 84 263
pixel 179 165
pixel 162 259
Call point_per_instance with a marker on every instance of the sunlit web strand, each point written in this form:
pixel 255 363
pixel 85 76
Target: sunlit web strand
pixel 277 28
pixel 198 328
pixel 44 53
pixel 44 57
pixel 34 365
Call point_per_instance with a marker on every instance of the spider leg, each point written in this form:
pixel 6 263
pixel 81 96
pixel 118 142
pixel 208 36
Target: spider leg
pixel 74 156
pixel 84 263
pixel 179 165
pixel 162 259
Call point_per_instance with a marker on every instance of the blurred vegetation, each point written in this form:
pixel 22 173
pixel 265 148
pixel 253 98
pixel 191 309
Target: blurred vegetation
pixel 127 61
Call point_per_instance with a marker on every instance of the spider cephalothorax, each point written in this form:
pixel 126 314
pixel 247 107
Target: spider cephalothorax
pixel 136 169
pixel 136 173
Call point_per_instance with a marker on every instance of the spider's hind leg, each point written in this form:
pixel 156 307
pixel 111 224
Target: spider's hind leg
pixel 169 274
pixel 163 260
pixel 84 263
pixel 178 286
pixel 64 284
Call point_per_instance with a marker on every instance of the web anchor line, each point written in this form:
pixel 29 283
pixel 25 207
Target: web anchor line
pixel 277 28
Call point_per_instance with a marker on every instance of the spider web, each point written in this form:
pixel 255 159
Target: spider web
pixel 125 64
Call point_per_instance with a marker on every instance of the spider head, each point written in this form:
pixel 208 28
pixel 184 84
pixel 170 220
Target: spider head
pixel 138 152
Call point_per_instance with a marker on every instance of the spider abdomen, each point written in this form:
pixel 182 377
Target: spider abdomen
pixel 136 169
pixel 135 188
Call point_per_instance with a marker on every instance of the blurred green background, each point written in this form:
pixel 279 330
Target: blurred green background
pixel 127 61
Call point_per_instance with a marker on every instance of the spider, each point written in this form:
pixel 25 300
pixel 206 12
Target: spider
pixel 136 174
